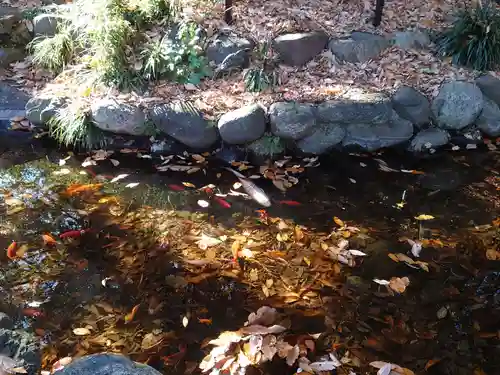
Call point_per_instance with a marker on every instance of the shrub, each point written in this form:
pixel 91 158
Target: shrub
pixel 474 38
pixel 263 75
pixel 71 126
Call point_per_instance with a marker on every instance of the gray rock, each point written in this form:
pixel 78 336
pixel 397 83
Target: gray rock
pixel 224 45
pixel 40 110
pixel 411 39
pixel 46 24
pixel 22 347
pixel 427 139
pixel 412 106
pixel 12 102
pixel 298 49
pixel 184 123
pixel 9 17
pixel 233 62
pixel 457 105
pixel 489 119
pixel 360 47
pixel 323 139
pixel 365 108
pixel 243 125
pixel 8 55
pixel 371 137
pixel 117 117
pixel 167 146
pixel 490 87
pixel 106 364
pixel 292 120
pixel 6 321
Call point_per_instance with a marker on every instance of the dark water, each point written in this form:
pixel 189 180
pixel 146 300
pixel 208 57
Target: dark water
pixel 84 278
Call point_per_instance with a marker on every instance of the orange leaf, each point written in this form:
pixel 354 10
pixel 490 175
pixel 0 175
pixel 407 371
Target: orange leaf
pixel 11 250
pixel 130 316
pixel 431 362
pixel 205 321
pixel 48 239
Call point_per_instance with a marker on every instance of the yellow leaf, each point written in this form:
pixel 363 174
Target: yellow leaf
pixel 235 248
pixel 307 261
pixel 188 184
pixel 424 217
pixel 254 275
pixel 393 257
pixel 339 222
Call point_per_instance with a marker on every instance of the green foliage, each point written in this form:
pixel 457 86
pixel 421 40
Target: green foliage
pixel 263 75
pixel 474 38
pixel 178 59
pixel 142 12
pixel 53 53
pixel 71 126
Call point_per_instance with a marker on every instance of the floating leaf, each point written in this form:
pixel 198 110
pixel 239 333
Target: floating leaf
pixel 185 321
pixel 399 284
pixel 130 316
pixel 262 330
pixel 424 217
pixel 81 331
pixel 339 222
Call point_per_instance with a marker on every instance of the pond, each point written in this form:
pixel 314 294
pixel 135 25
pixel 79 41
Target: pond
pixel 131 255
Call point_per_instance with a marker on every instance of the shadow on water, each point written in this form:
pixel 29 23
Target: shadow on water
pixel 450 314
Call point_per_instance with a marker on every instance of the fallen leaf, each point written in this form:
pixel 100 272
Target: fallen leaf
pixel 339 222
pixel 399 284
pixel 130 316
pixel 424 217
pixel 48 239
pixel 81 331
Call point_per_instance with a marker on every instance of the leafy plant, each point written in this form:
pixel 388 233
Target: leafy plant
pixel 71 126
pixel 141 12
pixel 474 38
pixel 177 58
pixel 53 53
pixel 263 75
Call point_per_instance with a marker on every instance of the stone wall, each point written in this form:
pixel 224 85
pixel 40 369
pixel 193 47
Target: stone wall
pixel 461 112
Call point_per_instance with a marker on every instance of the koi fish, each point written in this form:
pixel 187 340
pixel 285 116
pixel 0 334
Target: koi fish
pixel 205 321
pixel 73 233
pixel 175 187
pixel 11 250
pixel 31 312
pixel 257 194
pixel 290 203
pixel 74 189
pixel 222 202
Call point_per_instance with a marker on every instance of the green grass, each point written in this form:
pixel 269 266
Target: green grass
pixel 474 38
pixel 71 126
pixel 262 75
pixel 53 53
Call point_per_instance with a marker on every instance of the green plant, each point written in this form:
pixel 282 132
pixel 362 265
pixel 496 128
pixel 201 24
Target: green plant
pixel 262 76
pixel 474 38
pixel 142 12
pixel 71 126
pixel 177 58
pixel 53 53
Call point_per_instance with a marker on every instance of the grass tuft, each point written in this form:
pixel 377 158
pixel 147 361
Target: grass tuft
pixel 71 126
pixel 474 38
pixel 263 75
pixel 53 53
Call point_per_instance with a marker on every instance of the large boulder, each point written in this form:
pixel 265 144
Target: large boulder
pixel 323 139
pixel 46 24
pixel 243 125
pixel 225 44
pixel 291 120
pixel 490 86
pixel 457 105
pixel 106 364
pixel 373 136
pixel 23 348
pixel 40 109
pixel 118 117
pixel 489 119
pixel 357 107
pixel 429 139
pixel 359 47
pixel 184 123
pixel 412 106
pixel 411 39
pixel 12 102
pixel 298 49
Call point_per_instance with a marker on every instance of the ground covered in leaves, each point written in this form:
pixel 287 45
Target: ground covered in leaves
pixel 321 79
pixel 375 267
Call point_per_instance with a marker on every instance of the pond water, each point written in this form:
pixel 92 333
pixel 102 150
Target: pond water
pixel 132 258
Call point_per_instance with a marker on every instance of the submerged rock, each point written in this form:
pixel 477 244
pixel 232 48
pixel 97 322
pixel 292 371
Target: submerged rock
pixel 118 117
pixel 21 347
pixel 292 120
pixel 429 139
pixel 184 123
pixel 12 102
pixel 243 125
pixel 106 364
pixel 457 105
pixel 298 49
